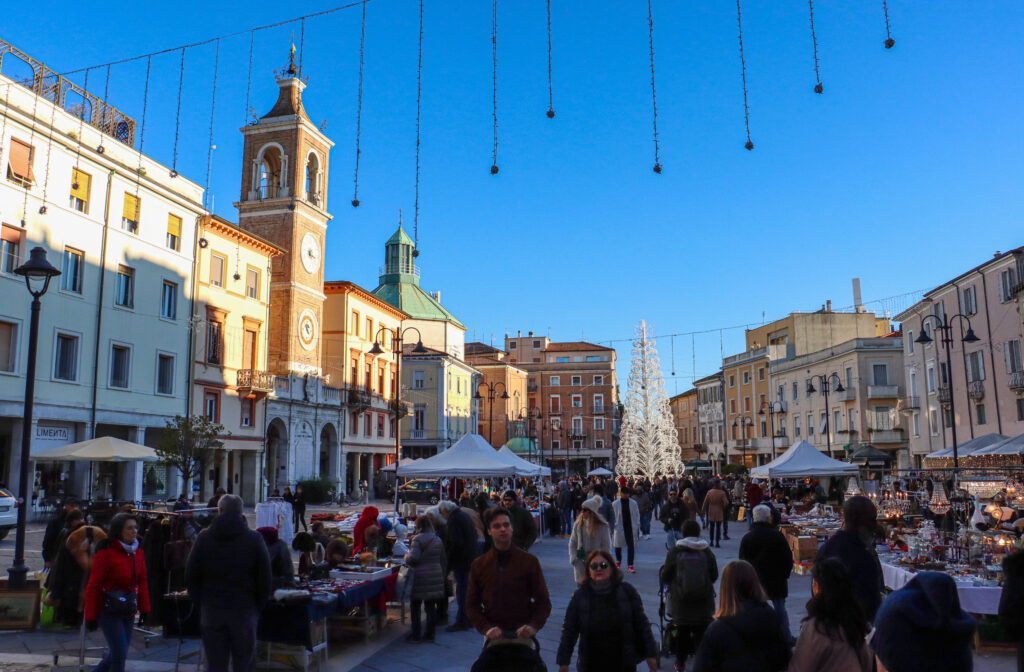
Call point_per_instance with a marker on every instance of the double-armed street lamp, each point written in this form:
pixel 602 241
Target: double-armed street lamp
pixel 826 383
pixel 945 327
pixel 774 407
pixel 376 350
pixel 744 422
pixel 492 393
pixel 37 272
pixel 528 415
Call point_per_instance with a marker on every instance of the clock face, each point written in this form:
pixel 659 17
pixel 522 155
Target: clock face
pixel 309 250
pixel 307 329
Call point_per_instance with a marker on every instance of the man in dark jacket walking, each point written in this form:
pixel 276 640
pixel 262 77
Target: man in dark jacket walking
pixel 52 535
pixel 564 502
pixel 674 513
pixel 524 529
pixel 461 549
pixel 854 546
pixel 228 577
pixel 765 547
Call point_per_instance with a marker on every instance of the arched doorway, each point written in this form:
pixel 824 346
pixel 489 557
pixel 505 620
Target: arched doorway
pixel 329 464
pixel 276 465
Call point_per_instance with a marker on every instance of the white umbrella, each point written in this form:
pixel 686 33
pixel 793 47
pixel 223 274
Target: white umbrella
pixel 103 449
pixel 600 471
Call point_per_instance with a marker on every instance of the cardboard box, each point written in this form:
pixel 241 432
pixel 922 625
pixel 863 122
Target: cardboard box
pixel 804 548
pixel 802 568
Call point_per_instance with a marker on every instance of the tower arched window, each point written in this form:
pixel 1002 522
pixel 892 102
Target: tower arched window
pixel 313 174
pixel 269 169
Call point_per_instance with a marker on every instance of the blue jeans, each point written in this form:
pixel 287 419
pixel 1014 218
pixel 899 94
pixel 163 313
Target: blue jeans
pixel 566 520
pixel 645 523
pixel 117 630
pixel 671 537
pixel 780 609
pixel 461 586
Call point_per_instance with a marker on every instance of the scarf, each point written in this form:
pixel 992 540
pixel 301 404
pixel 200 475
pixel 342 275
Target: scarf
pixel 602 587
pixel 130 548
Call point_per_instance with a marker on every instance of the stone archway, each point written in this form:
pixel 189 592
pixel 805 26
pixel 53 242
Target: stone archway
pixel 329 463
pixel 276 464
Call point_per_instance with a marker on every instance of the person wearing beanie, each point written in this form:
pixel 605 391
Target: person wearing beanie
pixel 281 568
pixel 590 533
pixel 401 546
pixel 922 627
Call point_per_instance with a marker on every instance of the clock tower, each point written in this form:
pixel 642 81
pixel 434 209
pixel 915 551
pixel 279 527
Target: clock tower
pixel 284 200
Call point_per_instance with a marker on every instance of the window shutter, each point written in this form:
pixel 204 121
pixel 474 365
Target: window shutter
pixel 10 234
pixel 131 207
pixel 20 161
pixel 174 225
pixel 83 182
pixel 1007 356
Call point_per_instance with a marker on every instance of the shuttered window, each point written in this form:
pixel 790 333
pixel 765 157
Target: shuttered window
pixel 19 163
pixel 174 232
pixel 130 214
pixel 81 186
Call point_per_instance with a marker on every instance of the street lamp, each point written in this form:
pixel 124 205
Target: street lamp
pixel 491 392
pixel 826 382
pixel 37 272
pixel 772 411
pixel 527 415
pixel 945 327
pixel 745 422
pixel 397 349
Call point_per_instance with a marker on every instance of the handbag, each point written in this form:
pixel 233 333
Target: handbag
pixel 122 603
pixel 403 586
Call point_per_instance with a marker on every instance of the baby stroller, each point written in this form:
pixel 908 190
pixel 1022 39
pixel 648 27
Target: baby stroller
pixel 510 654
pixel 666 627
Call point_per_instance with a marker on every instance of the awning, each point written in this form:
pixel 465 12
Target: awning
pixel 470 457
pixel 103 449
pixel 802 460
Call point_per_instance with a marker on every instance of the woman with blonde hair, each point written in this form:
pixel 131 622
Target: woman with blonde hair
pixel 746 635
pixel 590 533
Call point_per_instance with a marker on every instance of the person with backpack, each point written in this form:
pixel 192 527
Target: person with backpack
pixel 607 616
pixel 690 572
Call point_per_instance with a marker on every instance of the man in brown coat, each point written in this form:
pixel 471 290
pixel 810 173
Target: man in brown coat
pixel 506 585
pixel 715 504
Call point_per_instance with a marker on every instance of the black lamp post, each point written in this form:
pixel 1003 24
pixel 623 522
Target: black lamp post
pixel 771 418
pixel 744 422
pixel 397 348
pixel 945 328
pixel 491 394
pixel 37 272
pixel 826 382
pixel 527 415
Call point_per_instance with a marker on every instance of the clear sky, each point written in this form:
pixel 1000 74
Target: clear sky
pixel 906 171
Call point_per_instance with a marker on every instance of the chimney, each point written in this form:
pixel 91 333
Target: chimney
pixel 519 333
pixel 828 305
pixel 531 334
pixel 858 307
pixel 436 296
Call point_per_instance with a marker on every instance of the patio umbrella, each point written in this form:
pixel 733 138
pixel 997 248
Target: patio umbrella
pixel 600 471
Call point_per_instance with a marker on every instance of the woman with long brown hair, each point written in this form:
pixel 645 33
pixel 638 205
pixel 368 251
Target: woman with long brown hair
pixel 746 635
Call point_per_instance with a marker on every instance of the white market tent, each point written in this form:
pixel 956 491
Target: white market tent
pixel 1014 446
pixel 523 467
pixel 802 460
pixel 600 471
pixel 404 461
pixel 969 447
pixel 103 449
pixel 470 457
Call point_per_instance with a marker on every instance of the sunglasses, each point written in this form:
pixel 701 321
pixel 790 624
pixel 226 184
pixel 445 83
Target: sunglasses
pixel 598 566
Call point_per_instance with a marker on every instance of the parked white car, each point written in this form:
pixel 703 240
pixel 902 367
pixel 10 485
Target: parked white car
pixel 8 512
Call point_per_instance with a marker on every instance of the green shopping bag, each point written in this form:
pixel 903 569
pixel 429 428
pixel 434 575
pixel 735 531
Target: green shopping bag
pixel 46 613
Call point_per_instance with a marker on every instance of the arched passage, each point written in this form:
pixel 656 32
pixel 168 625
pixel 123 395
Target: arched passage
pixel 330 454
pixel 276 464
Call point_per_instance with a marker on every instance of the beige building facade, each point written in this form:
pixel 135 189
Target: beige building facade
pixel 500 418
pixel 686 419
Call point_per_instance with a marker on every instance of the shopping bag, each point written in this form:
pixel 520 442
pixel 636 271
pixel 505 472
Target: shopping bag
pixel 741 513
pixel 46 613
pixel 403 586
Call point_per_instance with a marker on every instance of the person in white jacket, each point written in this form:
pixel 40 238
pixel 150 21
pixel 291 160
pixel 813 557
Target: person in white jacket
pixel 590 533
pixel 627 527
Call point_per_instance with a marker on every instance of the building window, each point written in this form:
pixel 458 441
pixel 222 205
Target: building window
pixel 910 342
pixel 880 374
pixel 555 404
pixel 217 264
pixel 353 424
pixel 8 346
pixel 980 410
pixel 810 425
pixel 120 366
pixel 391 428
pixel 174 232
pixel 931 378
pixel 124 289
pixel 746 377
pixel 214 343
pixel 970 300
pixel 369 327
pixel 380 426
pixel 598 424
pixel 164 374
pixel 19 163
pixel 746 404
pixel 247 412
pixel 598 380
pixel 1020 409
pixel 65 360
pixel 577 380
pixel 555 381
pixel 760 373
pixel 947 417
pixel 1011 350
pixel 849 376
pixel 555 445
pixel 577 401
pixel 975 366
pixel 353 377
pixel 808 386
pixel 1007 283
pixel 577 425
pixel 512 345
pixel 211 406
pixel 732 406
pixel 368 376
pixel 10 246
pixel 366 425
pixel 418 379
pixel 796 391
pixel 354 323
pixel 81 184
pixel 419 418
pixel 536 344
pixel 917 424
pixel 598 403
pixel 249 349
pixel 130 213
pixel 380 380
pixel 796 427
pixel 599 444
pixel 732 380
pixel 556 424
pixel 169 301
pixel 71 270
pixel 252 283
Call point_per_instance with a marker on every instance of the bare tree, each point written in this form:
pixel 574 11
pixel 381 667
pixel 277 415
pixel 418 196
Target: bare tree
pixel 188 443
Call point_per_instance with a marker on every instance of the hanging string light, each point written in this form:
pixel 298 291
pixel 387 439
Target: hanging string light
pixel 248 82
pixel 177 117
pixel 81 123
pixel 654 96
pixel 142 130
pixel 213 106
pixel 419 106
pixel 103 109
pixel 743 62
pixel 49 143
pixel 494 83
pixel 889 42
pixel 302 43
pixel 551 99
pixel 818 88
pixel 359 105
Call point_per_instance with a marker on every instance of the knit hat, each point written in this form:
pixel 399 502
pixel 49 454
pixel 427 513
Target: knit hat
pixel 922 627
pixel 593 505
pixel 401 532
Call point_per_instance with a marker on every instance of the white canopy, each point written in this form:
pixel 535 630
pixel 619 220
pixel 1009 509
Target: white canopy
pixel 103 449
pixel 969 447
pixel 1014 446
pixel 801 460
pixel 404 461
pixel 470 457
pixel 523 467
pixel 600 471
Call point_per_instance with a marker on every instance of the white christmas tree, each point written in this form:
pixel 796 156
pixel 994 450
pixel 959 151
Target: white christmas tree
pixel 648 442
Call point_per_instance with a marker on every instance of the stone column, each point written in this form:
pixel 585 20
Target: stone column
pixel 226 478
pixel 132 474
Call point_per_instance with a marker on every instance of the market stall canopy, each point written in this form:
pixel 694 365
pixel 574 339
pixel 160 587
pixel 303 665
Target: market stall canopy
pixel 470 457
pixel 523 467
pixel 103 449
pixel 404 461
pixel 600 471
pixel 1014 446
pixel 801 460
pixel 698 465
pixel 870 456
pixel 968 447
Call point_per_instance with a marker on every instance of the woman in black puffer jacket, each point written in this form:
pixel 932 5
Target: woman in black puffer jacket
pixel 746 635
pixel 607 615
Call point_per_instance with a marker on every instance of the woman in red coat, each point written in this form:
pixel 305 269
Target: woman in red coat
pixel 117 590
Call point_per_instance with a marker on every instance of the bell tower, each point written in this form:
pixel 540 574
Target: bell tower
pixel 284 200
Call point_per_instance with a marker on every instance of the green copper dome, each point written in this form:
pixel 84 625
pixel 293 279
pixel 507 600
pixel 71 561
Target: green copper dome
pixel 400 282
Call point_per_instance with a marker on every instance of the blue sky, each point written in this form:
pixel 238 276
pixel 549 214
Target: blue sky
pixel 906 171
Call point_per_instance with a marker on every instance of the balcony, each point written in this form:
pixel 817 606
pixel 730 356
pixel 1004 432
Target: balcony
pixel 883 391
pixel 846 435
pixel 253 380
pixel 887 435
pixel 332 395
pixel 945 395
pixel 848 394
pixel 976 389
pixel 1016 382
pixel 531 387
pixel 418 434
pixel 910 404
pixel 359 400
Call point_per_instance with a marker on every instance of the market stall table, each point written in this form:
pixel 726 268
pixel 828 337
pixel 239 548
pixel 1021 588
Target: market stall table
pixel 973 599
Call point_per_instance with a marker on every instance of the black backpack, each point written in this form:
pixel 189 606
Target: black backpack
pixel 509 655
pixel 691 579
